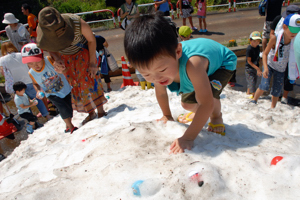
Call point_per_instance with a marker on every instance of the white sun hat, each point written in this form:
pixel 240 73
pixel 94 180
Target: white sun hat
pixel 10 18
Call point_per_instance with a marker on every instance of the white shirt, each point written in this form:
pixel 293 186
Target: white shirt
pixel 18 70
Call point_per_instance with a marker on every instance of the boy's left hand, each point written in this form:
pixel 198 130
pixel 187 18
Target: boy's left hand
pixel 180 144
pixel 166 118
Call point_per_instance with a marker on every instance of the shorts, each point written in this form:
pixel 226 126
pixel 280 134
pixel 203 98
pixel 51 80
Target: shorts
pixel 218 81
pixel 278 78
pixel 29 116
pixel 267 29
pixel 185 13
pixel 287 86
pixel 64 105
pixel 251 78
pixel 203 17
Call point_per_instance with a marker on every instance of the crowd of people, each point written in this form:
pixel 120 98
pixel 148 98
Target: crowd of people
pixel 197 69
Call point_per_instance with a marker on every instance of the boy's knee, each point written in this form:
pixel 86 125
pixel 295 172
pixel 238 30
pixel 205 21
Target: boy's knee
pixel 188 106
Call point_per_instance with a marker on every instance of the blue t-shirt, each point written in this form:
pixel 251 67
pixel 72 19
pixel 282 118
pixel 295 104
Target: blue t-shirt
pixel 19 100
pixel 163 7
pixel 50 81
pixel 218 56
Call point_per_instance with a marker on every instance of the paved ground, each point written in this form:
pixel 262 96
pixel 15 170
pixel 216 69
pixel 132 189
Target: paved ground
pixel 222 27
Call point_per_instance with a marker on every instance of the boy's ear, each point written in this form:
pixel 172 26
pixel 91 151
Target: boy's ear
pixel 179 50
pixel 284 26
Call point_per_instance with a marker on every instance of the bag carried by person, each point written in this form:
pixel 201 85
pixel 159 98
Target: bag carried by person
pixel 111 61
pixel 191 9
pixel 126 22
pixel 262 7
pixel 9 81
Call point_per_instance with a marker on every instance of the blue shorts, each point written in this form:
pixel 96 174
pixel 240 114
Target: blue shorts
pixel 64 105
pixel 278 78
pixel 201 16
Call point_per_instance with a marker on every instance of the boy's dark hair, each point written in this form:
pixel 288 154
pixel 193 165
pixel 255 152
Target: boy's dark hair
pixel 26 7
pixel 18 86
pixel 149 37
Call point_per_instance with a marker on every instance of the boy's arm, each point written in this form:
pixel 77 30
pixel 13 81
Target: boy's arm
pixel 196 70
pixel 254 66
pixel 271 43
pixel 163 101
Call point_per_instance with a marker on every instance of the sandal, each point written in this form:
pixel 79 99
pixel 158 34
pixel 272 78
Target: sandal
pixel 89 118
pixel 215 126
pixel 67 130
pixel 186 118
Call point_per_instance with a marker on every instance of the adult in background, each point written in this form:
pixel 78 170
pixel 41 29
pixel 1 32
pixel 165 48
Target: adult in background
pixel 287 86
pixel 163 6
pixel 31 20
pixel 72 45
pixel 130 10
pixel 273 9
pixel 17 37
pixel 12 61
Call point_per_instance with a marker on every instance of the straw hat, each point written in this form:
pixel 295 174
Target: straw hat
pixel 55 31
pixel 9 18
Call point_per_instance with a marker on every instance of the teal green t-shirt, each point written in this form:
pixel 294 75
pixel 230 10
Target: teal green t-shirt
pixel 218 56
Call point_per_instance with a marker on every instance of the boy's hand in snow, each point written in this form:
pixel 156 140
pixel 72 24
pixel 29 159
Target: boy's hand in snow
pixel 180 144
pixel 166 118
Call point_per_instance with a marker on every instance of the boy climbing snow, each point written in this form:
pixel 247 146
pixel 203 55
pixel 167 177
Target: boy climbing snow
pixel 46 79
pixel 198 69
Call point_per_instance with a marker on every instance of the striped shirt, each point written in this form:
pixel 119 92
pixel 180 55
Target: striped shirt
pixel 78 37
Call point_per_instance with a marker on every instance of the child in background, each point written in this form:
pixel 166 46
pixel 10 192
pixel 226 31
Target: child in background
pixel 142 80
pixel 252 63
pixel 198 69
pixel 23 104
pixel 185 12
pixel 201 14
pixel 275 59
pixel 45 78
pixel 184 33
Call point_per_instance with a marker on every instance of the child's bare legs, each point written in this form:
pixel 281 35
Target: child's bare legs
pixel 68 122
pixel 204 23
pixel 274 101
pixel 190 107
pixel 216 117
pixel 183 21
pixel 32 124
pixel 191 21
pixel 258 93
pixel 200 23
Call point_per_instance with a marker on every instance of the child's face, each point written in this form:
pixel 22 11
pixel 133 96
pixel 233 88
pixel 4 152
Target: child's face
pixel 254 43
pixel 163 70
pixel 288 33
pixel 37 66
pixel 20 93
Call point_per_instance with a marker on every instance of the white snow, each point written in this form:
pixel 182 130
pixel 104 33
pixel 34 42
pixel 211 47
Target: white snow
pixel 102 159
